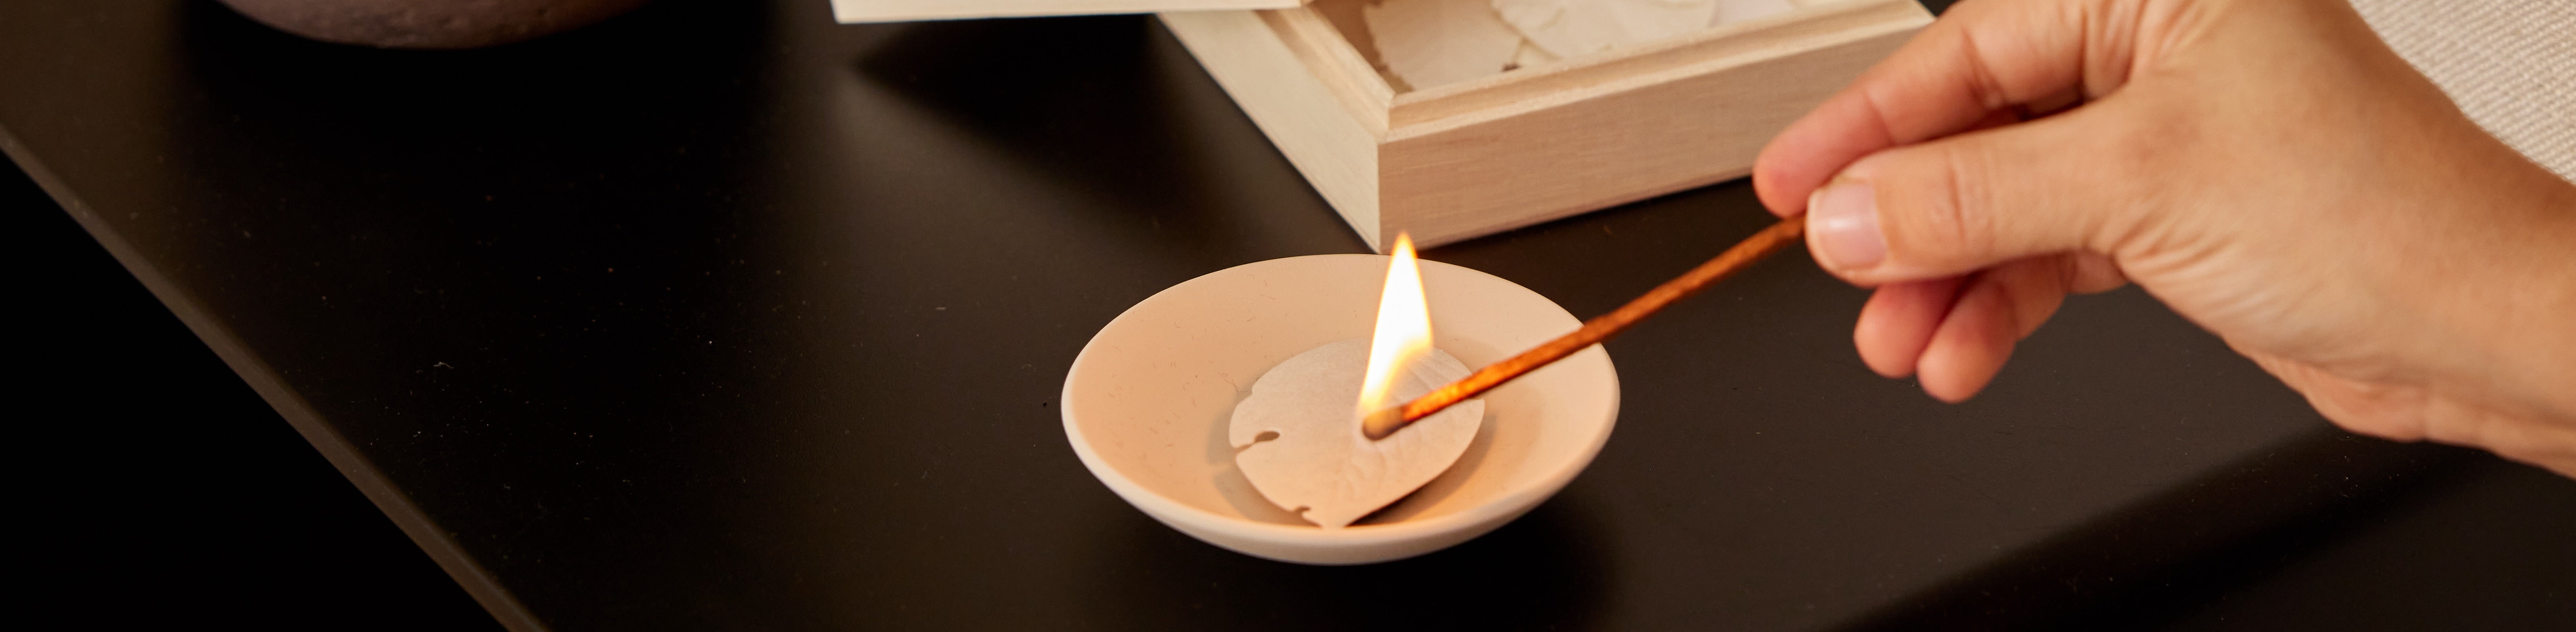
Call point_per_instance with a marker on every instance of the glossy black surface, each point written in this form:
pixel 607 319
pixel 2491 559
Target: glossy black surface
pixel 160 492
pixel 726 316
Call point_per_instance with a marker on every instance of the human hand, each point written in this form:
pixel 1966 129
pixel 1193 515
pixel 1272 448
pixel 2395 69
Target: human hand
pixel 2268 169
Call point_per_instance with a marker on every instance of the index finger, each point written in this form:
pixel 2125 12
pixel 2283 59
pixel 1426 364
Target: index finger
pixel 1981 59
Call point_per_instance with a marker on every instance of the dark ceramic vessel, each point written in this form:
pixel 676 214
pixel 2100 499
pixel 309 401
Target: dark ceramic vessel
pixel 428 23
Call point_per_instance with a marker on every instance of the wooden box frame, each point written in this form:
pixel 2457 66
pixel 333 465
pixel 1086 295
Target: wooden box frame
pixel 1534 144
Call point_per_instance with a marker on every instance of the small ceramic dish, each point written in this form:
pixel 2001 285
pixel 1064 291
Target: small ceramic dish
pixel 1148 401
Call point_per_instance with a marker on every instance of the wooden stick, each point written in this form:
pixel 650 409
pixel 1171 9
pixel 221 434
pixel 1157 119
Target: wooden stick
pixel 1736 259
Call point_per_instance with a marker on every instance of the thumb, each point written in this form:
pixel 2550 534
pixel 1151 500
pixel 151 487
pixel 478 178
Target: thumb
pixel 1973 201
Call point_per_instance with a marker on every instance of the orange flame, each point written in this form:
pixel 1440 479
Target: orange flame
pixel 1403 329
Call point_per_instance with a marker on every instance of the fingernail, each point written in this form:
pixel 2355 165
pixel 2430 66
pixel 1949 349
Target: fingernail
pixel 1844 218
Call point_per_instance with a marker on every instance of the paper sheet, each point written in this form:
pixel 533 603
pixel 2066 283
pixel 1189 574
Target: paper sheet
pixel 1430 43
pixel 1530 55
pixel 1567 28
pixel 1319 464
pixel 1731 11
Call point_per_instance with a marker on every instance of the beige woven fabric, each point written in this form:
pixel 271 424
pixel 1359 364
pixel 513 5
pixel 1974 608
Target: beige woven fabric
pixel 2510 64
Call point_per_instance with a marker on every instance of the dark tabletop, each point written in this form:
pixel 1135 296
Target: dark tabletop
pixel 725 316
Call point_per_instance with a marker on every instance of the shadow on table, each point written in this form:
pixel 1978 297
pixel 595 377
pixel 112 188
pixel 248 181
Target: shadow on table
pixel 1539 572
pixel 579 95
pixel 1112 106
pixel 1069 95
pixel 2148 562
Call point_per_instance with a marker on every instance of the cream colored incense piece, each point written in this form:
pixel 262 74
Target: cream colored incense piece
pixel 1298 436
pixel 1567 28
pixel 1431 43
pixel 1530 55
pixel 1732 11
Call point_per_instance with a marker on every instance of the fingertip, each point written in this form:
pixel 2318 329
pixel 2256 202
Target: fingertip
pixel 1767 184
pixel 1955 369
pixel 1842 227
pixel 1970 346
pixel 1812 149
pixel 1898 322
pixel 1883 359
pixel 1951 393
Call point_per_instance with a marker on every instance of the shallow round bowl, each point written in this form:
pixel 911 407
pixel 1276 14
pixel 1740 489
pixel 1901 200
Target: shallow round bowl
pixel 1147 404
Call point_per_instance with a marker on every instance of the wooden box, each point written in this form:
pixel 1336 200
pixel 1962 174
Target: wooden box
pixel 1529 145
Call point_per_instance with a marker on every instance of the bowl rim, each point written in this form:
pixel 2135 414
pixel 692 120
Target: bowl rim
pixel 1507 505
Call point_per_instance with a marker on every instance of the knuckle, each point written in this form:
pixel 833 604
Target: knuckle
pixel 1964 215
pixel 2140 154
pixel 2140 144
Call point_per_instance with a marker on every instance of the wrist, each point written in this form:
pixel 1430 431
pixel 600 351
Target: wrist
pixel 2518 319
